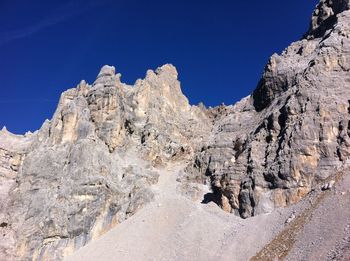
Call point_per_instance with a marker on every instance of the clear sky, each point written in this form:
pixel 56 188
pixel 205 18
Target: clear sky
pixel 219 47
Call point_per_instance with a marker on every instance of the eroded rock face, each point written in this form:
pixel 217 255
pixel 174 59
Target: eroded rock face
pixel 325 16
pixel 92 165
pixel 270 149
pixel 10 163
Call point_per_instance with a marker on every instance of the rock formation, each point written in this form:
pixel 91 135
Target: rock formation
pixel 271 148
pixel 92 165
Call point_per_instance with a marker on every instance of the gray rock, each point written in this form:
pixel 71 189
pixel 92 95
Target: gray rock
pixel 290 218
pixel 273 147
pixel 325 16
pixel 93 164
pixel 328 185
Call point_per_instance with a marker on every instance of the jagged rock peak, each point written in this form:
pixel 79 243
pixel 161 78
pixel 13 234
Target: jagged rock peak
pixel 166 72
pixel 329 28
pixel 106 70
pixel 107 77
pixel 168 69
pixel 325 16
pixel 296 134
pixel 95 163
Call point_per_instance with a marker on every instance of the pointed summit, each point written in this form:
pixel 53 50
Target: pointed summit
pixel 106 70
pixel 324 16
pixel 107 76
pixel 167 69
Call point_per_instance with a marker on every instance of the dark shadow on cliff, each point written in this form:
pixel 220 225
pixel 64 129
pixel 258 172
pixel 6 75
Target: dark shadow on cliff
pixel 211 197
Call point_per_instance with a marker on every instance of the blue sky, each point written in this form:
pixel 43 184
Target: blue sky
pixel 219 47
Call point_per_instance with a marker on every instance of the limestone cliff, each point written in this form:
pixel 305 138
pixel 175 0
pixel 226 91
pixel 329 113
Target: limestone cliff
pixel 92 165
pixel 89 168
pixel 270 149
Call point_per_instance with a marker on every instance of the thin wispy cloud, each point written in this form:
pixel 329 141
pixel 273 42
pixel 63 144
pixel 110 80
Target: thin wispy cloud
pixel 6 37
pixel 27 101
pixel 69 10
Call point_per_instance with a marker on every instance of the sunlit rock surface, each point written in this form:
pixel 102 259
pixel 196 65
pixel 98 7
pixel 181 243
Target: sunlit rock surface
pixel 92 165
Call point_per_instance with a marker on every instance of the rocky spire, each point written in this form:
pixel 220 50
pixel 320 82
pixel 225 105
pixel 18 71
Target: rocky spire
pixel 296 134
pixel 93 165
pixel 324 16
pixel 107 77
pixel 283 71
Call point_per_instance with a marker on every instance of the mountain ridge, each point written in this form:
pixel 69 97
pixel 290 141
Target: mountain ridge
pixel 93 164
